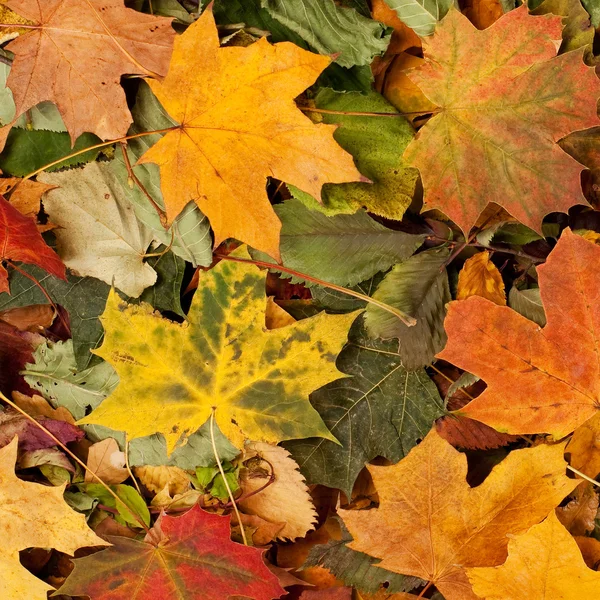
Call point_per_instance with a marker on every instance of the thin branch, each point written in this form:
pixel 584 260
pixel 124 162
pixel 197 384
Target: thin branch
pixel 406 319
pixel 583 475
pixel 137 487
pixel 350 113
pixel 225 482
pixel 270 481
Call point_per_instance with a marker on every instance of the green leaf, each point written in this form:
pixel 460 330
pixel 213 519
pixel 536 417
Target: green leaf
pixel 331 29
pixel 418 287
pixel 377 145
pixel 421 15
pixel 54 376
pixel 131 504
pixel 593 8
pixel 165 294
pixel 27 151
pixel 528 303
pixel 189 236
pixel 204 476
pixel 343 249
pixel 355 568
pixel 335 301
pixel 7 105
pixel 381 410
pixel 83 297
pixel 218 488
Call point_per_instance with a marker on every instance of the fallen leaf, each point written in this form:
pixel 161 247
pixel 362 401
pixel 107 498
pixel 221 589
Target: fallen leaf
pixel 106 460
pixel 21 241
pixel 480 277
pixel 485 96
pixel 16 350
pixel 336 593
pixel 421 16
pixel 483 13
pixel 403 37
pixel 584 447
pixel 590 550
pixel 286 499
pixel 263 532
pixel 37 406
pixel 239 124
pixel 469 434
pixel 579 515
pixel 98 234
pixel 258 380
pixel 26 196
pixel 431 524
pixel 29 318
pixel 88 45
pixel 190 557
pixel 275 316
pixel 542 563
pixel 538 379
pixel 33 515
pixel 156 478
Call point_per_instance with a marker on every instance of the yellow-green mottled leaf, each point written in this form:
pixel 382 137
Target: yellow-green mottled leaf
pixel 258 381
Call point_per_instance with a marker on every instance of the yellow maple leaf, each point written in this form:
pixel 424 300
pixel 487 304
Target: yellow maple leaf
pixel 34 515
pixel 257 381
pixel 238 126
pixel 544 563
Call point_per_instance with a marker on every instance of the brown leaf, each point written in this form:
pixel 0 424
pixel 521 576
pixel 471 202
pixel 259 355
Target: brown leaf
pixel 579 515
pixel 107 461
pixel 36 406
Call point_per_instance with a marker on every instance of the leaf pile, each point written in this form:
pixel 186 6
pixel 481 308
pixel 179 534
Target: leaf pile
pixel 299 299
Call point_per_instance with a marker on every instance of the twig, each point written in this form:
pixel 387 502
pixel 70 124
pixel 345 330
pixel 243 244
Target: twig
pixel 225 482
pixel 406 319
pixel 270 481
pixel 137 487
pixel 583 475
pixel 350 113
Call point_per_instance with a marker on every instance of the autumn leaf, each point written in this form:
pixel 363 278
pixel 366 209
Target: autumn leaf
pixel 239 125
pixel 21 241
pixel 286 499
pixel 584 447
pixel 189 557
pixel 33 515
pixel 538 380
pixel 257 380
pixel 500 115
pixel 543 563
pixel 431 524
pixel 480 277
pixel 88 45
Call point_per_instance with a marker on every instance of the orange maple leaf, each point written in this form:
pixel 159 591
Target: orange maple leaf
pixel 431 524
pixel 539 380
pixel 501 112
pixel 238 126
pixel 75 54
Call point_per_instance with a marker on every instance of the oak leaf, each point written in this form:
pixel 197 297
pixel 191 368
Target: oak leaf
pixel 21 241
pixel 238 126
pixel 33 515
pixel 500 115
pixel 286 499
pixel 258 381
pixel 188 557
pixel 539 380
pixel 431 524
pixel 480 277
pixel 544 563
pixel 87 45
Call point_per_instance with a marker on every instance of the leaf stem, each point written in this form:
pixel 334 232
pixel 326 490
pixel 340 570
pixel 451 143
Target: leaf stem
pixel 75 458
pixel 351 113
pixel 225 482
pixel 422 594
pixel 406 319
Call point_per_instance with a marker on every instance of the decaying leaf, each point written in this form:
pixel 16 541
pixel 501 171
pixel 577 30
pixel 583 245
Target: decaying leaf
pixel 286 499
pixel 257 380
pixel 238 125
pixel 107 461
pixel 33 515
pixel 431 524
pixel 189 557
pixel 538 379
pixel 542 563
pixel 157 478
pixel 578 516
pixel 500 115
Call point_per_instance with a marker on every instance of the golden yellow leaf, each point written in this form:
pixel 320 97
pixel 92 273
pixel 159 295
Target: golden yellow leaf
pixel 106 460
pixel 34 515
pixel 258 381
pixel 431 524
pixel 275 316
pixel 156 478
pixel 286 499
pixel 480 277
pixel 543 564
pixel 584 447
pixel 238 126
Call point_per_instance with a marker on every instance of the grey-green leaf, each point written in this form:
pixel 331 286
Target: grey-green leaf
pixel 332 29
pixel 381 410
pixel 421 15
pixel 593 8
pixel 418 287
pixel 343 249
pixel 84 298
pixel 54 376
pixel 528 303
pixel 357 569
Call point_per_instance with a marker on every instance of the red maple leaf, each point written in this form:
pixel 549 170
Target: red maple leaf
pixel 188 557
